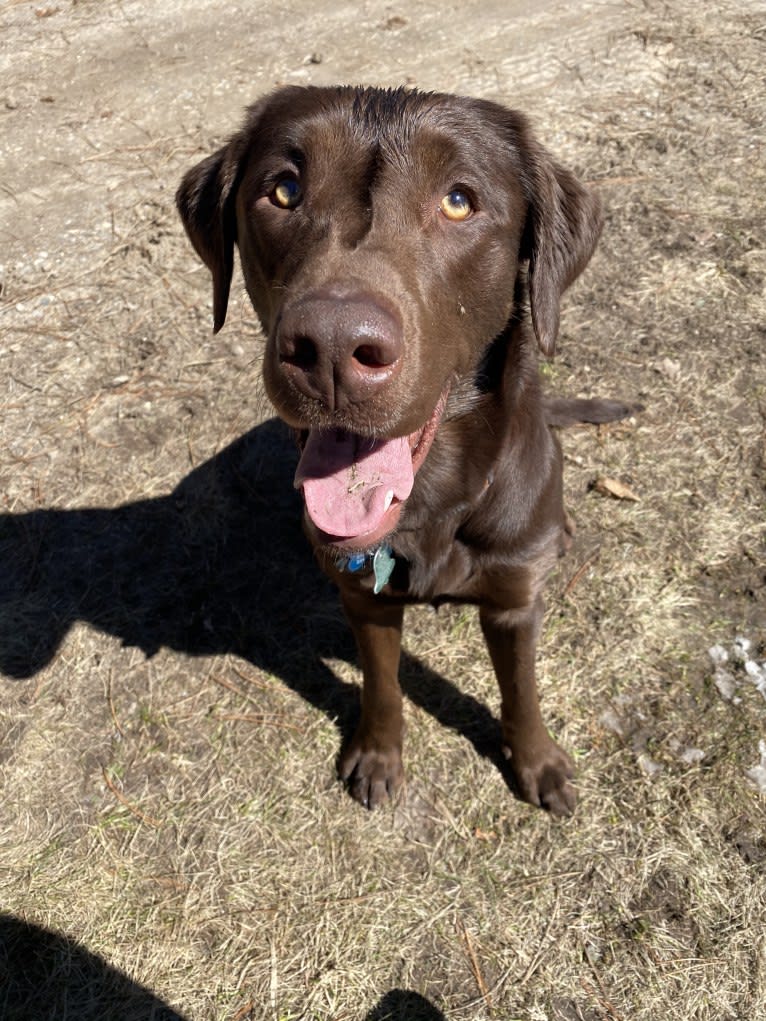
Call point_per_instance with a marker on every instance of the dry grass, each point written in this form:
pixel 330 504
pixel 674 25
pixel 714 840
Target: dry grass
pixel 178 676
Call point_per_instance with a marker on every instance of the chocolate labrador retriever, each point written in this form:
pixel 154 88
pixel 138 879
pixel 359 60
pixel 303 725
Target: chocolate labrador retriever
pixel 390 242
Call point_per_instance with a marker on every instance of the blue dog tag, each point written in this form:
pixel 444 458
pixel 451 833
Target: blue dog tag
pixel 355 562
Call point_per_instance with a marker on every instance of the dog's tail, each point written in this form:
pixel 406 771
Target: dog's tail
pixel 564 411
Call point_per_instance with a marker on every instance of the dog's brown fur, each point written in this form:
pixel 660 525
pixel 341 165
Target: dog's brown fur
pixel 375 305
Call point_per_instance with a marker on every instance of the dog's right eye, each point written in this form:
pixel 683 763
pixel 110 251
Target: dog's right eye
pixel 287 193
pixel 456 205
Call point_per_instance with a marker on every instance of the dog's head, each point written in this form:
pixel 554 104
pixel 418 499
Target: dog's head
pixel 382 236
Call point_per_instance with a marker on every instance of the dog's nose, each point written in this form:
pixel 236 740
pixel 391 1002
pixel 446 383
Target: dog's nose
pixel 339 350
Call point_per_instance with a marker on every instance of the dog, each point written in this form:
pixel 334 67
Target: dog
pixel 406 253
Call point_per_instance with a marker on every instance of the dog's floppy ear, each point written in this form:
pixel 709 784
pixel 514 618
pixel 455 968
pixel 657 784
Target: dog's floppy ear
pixel 563 225
pixel 205 200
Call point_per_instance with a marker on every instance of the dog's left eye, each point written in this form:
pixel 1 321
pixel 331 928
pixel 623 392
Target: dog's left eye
pixel 287 193
pixel 456 205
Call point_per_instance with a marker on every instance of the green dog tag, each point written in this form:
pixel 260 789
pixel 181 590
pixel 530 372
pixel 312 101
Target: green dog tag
pixel 382 566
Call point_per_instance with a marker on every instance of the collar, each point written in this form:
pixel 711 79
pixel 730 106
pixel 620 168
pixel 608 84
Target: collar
pixel 382 560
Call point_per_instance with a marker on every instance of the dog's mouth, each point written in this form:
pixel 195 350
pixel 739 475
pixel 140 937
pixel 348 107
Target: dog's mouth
pixel 355 486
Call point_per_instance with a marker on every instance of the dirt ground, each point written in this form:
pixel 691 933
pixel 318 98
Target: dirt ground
pixel 175 675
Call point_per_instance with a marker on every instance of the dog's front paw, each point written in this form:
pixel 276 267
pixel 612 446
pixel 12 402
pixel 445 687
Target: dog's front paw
pixel 542 772
pixel 372 769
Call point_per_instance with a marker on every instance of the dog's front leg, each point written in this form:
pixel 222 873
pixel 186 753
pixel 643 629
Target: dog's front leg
pixel 372 762
pixel 541 769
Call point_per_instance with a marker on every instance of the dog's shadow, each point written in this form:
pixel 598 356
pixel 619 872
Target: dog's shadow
pixel 219 565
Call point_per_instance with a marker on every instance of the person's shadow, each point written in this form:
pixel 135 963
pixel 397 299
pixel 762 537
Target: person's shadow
pixel 219 565
pixel 404 1005
pixel 45 976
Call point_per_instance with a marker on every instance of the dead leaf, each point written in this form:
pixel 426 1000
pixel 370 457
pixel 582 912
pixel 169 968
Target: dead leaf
pixel 613 487
pixel 481 834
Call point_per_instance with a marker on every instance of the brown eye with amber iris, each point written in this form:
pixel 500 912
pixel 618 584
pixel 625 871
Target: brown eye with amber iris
pixel 456 205
pixel 287 193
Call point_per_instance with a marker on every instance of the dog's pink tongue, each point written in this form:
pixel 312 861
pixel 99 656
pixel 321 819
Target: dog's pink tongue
pixel 349 481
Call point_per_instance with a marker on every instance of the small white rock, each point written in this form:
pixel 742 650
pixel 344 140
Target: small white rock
pixel 754 670
pixel 758 773
pixel 757 674
pixel 725 683
pixel 741 648
pixel 691 756
pixel 718 654
pixel 612 721
pixel 670 369
pixel 649 766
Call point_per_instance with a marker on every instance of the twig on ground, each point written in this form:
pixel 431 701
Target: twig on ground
pixel 475 966
pixel 112 711
pixel 263 718
pixel 580 572
pixel 149 820
pixel 534 964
